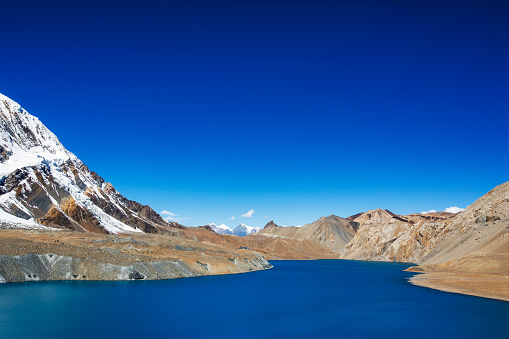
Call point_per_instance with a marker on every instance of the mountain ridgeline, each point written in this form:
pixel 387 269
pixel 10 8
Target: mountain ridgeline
pixel 331 232
pixel 373 235
pixel 475 240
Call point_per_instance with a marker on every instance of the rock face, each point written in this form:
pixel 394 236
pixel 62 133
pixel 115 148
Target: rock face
pixel 270 224
pixel 29 255
pixel 272 229
pixel 439 238
pixel 385 236
pixel 43 184
pixel 331 232
pixel 477 239
pixel 43 267
pixel 471 255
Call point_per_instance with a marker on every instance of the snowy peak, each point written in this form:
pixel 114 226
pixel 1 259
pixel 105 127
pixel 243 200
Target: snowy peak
pixel 24 140
pixel 42 185
pixel 221 229
pixel 242 230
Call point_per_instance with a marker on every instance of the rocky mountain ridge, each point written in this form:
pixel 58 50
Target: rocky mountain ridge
pixel 385 236
pixel 482 227
pixel 465 253
pixel 42 184
pixel 331 232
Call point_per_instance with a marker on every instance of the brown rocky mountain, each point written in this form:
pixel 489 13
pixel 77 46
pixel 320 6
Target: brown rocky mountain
pixel 271 228
pixel 471 254
pixel 481 228
pixel 466 252
pixel 270 224
pixel 374 235
pixel 432 238
pixel 374 215
pixel 383 235
pixel 331 232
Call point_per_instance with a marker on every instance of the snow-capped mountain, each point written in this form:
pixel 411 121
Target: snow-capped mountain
pixel 43 185
pixel 221 229
pixel 243 230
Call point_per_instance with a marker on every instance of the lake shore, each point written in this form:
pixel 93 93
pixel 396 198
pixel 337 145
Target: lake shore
pixel 32 255
pixel 200 257
pixel 480 285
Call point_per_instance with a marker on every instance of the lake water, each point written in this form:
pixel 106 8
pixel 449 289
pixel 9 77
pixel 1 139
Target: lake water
pixel 295 299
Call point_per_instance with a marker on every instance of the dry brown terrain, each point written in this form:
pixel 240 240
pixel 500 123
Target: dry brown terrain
pixel 472 255
pixel 331 232
pixel 480 285
pixel 385 236
pixel 189 245
pixel 125 249
pixel 272 248
pixel 484 273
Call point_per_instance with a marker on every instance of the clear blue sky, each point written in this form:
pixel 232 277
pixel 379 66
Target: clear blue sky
pixel 296 109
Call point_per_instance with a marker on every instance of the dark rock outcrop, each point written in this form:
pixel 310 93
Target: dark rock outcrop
pixel 271 224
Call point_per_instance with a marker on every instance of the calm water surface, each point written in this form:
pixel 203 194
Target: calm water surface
pixel 296 299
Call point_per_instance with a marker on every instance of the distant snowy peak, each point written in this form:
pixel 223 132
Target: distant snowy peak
pixel 221 229
pixel 242 230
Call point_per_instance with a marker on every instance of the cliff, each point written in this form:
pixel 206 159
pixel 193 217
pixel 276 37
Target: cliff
pixel 385 236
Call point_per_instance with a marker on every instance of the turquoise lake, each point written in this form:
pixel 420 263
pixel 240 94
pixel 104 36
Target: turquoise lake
pixel 295 299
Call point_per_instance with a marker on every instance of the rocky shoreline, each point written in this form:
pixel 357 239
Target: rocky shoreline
pixel 33 255
pixel 45 256
pixel 50 267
